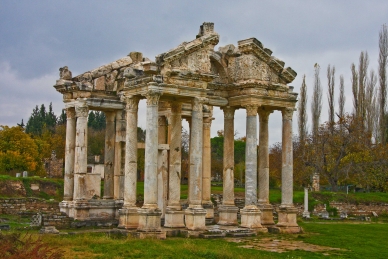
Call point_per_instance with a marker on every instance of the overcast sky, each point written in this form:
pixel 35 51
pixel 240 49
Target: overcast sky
pixel 39 37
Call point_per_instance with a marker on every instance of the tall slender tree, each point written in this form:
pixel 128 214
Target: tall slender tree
pixel 383 60
pixel 316 104
pixel 330 94
pixel 302 115
pixel 341 98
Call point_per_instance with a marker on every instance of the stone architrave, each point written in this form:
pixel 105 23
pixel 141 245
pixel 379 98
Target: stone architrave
pixel 109 155
pixel 80 161
pixel 263 199
pixel 228 211
pixel 250 214
pixel 128 215
pixel 69 154
pixel 195 214
pixel 174 216
pixel 206 170
pixel 119 159
pixel 150 214
pixel 287 212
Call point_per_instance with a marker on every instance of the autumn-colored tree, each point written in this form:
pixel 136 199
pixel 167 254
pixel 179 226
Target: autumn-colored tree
pixel 18 151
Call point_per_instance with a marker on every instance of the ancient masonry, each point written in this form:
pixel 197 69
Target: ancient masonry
pixel 183 83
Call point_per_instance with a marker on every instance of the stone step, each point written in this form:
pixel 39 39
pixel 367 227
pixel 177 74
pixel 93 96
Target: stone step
pixel 212 235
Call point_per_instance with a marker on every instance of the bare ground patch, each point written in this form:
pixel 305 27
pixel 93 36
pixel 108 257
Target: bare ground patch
pixel 282 245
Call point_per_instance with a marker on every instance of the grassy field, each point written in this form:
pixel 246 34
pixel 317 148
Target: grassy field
pixel 333 240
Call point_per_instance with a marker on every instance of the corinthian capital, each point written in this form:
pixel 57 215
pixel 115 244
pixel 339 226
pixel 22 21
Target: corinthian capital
pixel 176 107
pixel 251 109
pixel 70 113
pixel 264 115
pixel 81 111
pixel 228 112
pixel 198 104
pixel 132 103
pixel 287 113
pixel 153 97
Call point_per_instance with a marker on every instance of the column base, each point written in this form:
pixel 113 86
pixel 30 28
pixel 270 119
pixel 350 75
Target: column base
pixel 64 206
pixel 266 215
pixel 150 235
pixel 287 221
pixel 306 214
pixel 209 207
pixel 129 218
pixel 149 220
pixel 174 218
pixel 251 218
pixel 81 210
pixel 195 218
pixel 227 215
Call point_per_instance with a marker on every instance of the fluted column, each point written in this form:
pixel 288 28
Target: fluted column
pixel 128 215
pixel 69 154
pixel 149 214
pixel 80 161
pixel 119 161
pixel 251 157
pixel 206 170
pixel 263 201
pixel 174 216
pixel 287 212
pixel 228 211
pixel 195 214
pixel 287 158
pixel 109 155
pixel 251 215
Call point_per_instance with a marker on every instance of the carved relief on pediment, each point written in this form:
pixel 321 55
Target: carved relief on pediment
pixel 248 66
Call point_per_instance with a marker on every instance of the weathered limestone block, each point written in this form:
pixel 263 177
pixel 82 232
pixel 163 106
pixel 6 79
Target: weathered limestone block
pixel 136 56
pixel 110 80
pixel 126 61
pixel 195 218
pixel 101 71
pixel 99 83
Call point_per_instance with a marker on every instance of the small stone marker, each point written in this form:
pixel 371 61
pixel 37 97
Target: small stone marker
pixel 48 230
pixel 18 174
pixel 306 213
pixel 343 215
pixel 25 174
pixel 325 214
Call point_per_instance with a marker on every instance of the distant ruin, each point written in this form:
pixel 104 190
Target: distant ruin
pixel 183 83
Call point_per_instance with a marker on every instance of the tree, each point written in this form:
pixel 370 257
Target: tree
pixel 341 98
pixel 302 115
pixel 18 151
pixel 383 61
pixel 316 104
pixel 330 92
pixel 41 119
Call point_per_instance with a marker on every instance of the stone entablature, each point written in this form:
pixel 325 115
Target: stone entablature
pixel 196 77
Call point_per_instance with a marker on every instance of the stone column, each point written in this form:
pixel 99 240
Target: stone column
pixel 119 158
pixel 306 213
pixel 69 162
pixel 250 214
pixel 109 155
pixel 80 162
pixel 287 212
pixel 69 154
pixel 174 216
pixel 263 201
pixel 195 214
pixel 149 214
pixel 128 215
pixel 162 164
pixel 206 171
pixel 228 211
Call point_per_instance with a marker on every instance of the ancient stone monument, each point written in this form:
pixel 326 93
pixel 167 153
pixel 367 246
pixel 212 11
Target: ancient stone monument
pixel 183 83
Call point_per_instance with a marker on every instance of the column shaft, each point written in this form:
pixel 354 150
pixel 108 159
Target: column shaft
pixel 80 161
pixel 263 158
pixel 174 190
pixel 109 155
pixel 130 178
pixel 69 154
pixel 196 135
pixel 251 157
pixel 228 161
pixel 118 162
pixel 287 158
pixel 206 162
pixel 151 152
